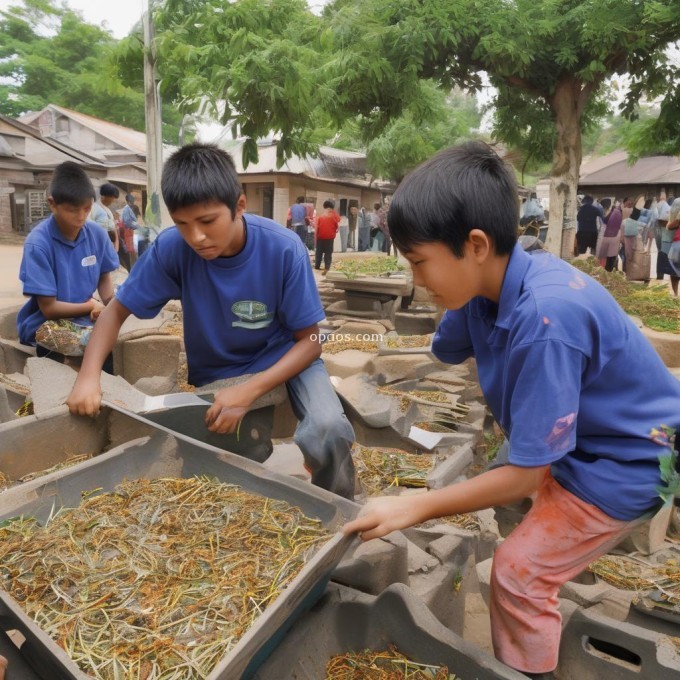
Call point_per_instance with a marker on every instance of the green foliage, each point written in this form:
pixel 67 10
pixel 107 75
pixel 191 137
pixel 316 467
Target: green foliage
pixel 668 463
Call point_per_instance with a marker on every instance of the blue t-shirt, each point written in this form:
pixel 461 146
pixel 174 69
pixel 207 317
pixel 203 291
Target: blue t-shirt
pixel 298 212
pixel 571 381
pixel 53 266
pixel 239 312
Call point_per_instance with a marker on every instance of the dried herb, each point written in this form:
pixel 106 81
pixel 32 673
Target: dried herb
pixel 632 573
pixel 409 341
pixel 159 579
pixel 389 664
pixel 381 468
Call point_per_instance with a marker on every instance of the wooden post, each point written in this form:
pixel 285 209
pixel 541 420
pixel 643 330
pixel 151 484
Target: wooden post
pixel 156 214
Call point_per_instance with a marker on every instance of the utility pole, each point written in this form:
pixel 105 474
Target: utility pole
pixel 156 213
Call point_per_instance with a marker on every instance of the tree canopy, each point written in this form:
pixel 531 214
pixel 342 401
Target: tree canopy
pixel 277 65
pixel 50 55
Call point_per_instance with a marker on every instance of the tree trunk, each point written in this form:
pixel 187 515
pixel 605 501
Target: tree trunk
pixel 567 104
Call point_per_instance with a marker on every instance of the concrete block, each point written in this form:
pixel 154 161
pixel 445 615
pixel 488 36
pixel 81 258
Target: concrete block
pixel 415 324
pixel 452 467
pixel 8 322
pixel 373 407
pixel 390 369
pixel 483 570
pixel 148 356
pixel 594 646
pixel 156 385
pixel 374 565
pixel 6 412
pixel 348 363
pixel 650 536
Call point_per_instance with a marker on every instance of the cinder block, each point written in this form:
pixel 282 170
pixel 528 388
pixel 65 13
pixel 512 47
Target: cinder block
pixel 594 647
pixel 374 565
pixel 345 621
pixel 451 468
pixel 650 536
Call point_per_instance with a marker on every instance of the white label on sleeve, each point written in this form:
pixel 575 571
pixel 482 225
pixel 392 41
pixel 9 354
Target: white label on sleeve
pixel 89 261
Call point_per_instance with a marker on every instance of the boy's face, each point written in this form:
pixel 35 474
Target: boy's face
pixel 210 230
pixel 452 281
pixel 70 218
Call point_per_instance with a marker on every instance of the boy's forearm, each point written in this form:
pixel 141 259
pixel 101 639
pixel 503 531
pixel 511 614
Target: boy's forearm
pixel 53 309
pixel 105 288
pixel 503 485
pixel 294 361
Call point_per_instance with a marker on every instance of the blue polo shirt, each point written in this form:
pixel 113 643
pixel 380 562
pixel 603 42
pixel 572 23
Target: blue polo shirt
pixel 53 266
pixel 571 381
pixel 239 312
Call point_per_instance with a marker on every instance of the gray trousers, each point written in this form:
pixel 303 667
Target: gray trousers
pixel 324 434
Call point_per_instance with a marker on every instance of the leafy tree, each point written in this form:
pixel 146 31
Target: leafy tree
pixel 50 55
pixel 412 138
pixel 277 65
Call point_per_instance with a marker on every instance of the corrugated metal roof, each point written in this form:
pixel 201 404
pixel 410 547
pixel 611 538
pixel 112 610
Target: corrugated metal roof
pixel 614 169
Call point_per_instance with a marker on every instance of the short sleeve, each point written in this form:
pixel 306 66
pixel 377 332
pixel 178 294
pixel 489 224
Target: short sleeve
pixel 150 285
pixel 110 261
pixel 300 303
pixel 37 272
pixel 543 381
pixel 452 343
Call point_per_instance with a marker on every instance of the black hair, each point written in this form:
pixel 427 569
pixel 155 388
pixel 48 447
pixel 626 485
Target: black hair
pixel 648 203
pixel 300 199
pixel 200 173
pixel 606 203
pixel 129 198
pixel 329 204
pixel 587 199
pixel 376 206
pixel 70 184
pixel 109 190
pixel 459 189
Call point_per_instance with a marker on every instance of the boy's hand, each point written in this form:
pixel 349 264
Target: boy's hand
pixel 231 404
pixel 85 398
pixel 97 308
pixel 381 516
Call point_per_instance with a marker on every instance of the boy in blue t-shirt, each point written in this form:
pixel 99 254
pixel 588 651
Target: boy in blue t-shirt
pixel 250 305
pixel 579 392
pixel 66 260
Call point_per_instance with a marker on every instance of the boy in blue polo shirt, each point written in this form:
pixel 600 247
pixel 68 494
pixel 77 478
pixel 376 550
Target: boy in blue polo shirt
pixel 66 260
pixel 575 386
pixel 250 305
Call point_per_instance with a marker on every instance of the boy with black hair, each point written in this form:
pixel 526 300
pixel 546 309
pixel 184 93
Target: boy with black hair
pixel 66 260
pixel 574 385
pixel 250 306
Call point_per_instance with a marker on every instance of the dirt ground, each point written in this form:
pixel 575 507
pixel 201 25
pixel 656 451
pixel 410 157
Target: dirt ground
pixel 10 260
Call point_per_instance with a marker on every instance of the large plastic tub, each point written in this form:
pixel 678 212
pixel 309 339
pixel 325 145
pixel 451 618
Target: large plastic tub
pixel 166 454
pixel 345 620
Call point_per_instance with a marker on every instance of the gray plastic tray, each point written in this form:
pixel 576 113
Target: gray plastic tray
pixel 169 454
pixel 345 620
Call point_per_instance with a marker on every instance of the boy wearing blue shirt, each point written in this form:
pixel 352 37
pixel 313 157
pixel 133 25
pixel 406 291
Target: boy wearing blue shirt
pixel 66 259
pixel 575 386
pixel 250 305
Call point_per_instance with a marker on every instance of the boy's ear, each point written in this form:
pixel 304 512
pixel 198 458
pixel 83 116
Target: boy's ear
pixel 51 202
pixel 241 204
pixel 480 245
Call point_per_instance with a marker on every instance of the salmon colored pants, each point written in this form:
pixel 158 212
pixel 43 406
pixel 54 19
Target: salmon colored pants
pixel 559 537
